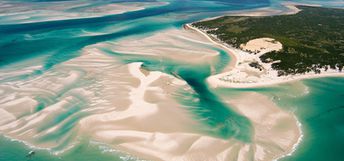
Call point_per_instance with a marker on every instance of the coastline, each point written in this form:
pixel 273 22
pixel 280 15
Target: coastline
pixel 270 79
pixel 213 40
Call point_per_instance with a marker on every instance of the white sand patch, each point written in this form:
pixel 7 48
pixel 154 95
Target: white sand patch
pixel 139 107
pixel 261 46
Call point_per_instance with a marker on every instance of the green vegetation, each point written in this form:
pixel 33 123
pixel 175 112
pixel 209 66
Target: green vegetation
pixel 312 39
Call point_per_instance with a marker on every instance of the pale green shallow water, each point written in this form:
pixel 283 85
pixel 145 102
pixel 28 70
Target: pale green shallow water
pixel 321 115
pixel 53 42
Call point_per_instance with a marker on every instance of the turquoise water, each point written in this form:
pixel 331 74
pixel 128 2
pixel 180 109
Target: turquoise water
pixel 52 42
pixel 321 115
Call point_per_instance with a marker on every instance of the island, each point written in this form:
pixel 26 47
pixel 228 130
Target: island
pixel 277 48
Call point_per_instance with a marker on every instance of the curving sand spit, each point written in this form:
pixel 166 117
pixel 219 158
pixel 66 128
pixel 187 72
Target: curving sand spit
pixel 289 8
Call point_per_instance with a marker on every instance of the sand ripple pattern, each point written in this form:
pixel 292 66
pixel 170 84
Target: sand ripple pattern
pixel 134 110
